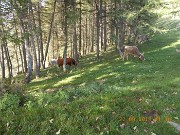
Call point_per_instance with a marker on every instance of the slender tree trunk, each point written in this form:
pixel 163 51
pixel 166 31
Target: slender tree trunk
pixel 15 47
pixel 53 45
pixel 80 30
pixel 89 34
pixel 122 27
pixel 66 36
pixel 101 26
pixel 17 58
pixel 21 56
pixel 75 44
pixel 24 50
pixel 58 45
pixel 119 31
pixel 40 37
pixel 2 61
pixel 75 52
pixel 28 77
pixel 86 37
pixel 98 28
pixel 6 51
pixel 9 64
pixel 49 37
pixel 83 41
pixel 33 40
pixel 105 28
pixel 92 30
pixel 122 30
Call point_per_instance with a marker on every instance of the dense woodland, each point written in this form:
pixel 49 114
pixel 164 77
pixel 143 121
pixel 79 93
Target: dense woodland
pixel 32 32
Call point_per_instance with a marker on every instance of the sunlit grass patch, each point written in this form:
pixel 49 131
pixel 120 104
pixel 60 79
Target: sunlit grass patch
pixel 67 80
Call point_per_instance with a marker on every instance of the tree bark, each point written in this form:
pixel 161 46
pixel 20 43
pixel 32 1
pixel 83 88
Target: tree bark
pixel 2 61
pixel 105 28
pixel 75 51
pixel 40 37
pixel 66 36
pixel 98 28
pixel 33 39
pixel 26 46
pixel 9 64
pixel 92 30
pixel 49 37
pixel 80 30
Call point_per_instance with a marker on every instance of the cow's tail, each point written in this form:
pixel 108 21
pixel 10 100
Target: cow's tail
pixel 74 62
pixel 122 48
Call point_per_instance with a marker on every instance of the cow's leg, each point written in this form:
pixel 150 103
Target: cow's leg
pixel 126 57
pixel 123 56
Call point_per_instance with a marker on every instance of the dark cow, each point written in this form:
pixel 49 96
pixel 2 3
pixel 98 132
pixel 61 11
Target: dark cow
pixel 142 38
pixel 69 61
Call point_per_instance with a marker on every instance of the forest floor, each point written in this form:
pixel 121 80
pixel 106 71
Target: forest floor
pixel 107 97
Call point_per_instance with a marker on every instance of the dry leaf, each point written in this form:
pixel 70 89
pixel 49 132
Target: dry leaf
pixel 122 125
pixel 176 118
pixel 58 132
pixel 51 120
pixel 135 127
pixel 153 133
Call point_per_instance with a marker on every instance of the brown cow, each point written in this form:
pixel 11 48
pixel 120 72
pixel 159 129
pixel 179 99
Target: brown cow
pixel 69 61
pixel 132 50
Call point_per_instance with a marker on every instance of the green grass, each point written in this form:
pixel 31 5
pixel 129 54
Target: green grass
pixel 109 97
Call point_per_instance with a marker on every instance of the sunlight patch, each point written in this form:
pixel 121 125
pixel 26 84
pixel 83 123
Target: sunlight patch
pixel 105 76
pixel 67 80
pixel 171 45
pixel 94 68
pixel 128 62
pixel 176 80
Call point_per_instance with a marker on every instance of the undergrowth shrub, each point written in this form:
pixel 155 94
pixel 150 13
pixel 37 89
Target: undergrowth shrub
pixel 10 88
pixel 9 101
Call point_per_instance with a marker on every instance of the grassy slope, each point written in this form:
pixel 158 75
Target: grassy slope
pixel 99 98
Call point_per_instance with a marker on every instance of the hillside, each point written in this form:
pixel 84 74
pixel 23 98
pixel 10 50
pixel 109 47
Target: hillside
pixel 109 97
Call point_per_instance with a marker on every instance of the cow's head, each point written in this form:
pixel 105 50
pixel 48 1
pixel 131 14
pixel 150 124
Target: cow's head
pixel 141 57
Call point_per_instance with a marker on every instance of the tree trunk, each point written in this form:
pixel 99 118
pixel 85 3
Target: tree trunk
pixel 2 61
pixel 80 23
pixel 53 44
pixel 17 58
pixel 75 52
pixel 101 26
pixel 105 29
pixel 92 30
pixel 26 50
pixel 40 37
pixel 119 31
pixel 24 53
pixel 98 28
pixel 21 56
pixel 66 37
pixel 9 64
pixel 86 37
pixel 33 40
pixel 49 37
pixel 76 57
pixel 58 45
